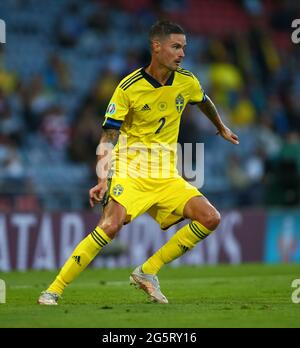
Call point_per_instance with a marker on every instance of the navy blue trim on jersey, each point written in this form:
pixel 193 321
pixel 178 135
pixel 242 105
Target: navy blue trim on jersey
pixel 127 83
pixel 127 80
pixel 204 99
pixel 154 82
pixel 110 123
pixel 184 72
pixel 139 77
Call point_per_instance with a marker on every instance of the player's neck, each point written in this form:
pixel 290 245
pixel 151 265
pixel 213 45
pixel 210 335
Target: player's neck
pixel 158 72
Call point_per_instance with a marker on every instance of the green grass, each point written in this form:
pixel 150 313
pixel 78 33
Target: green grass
pixel 206 296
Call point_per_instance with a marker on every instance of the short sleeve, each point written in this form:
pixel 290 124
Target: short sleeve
pixel 117 109
pixel 197 94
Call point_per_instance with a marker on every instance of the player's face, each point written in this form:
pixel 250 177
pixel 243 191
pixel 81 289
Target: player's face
pixel 170 51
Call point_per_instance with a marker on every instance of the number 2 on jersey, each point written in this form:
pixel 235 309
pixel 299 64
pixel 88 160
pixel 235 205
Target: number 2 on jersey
pixel 163 121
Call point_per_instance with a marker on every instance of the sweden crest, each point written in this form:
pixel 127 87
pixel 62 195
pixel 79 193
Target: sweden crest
pixel 117 190
pixel 179 103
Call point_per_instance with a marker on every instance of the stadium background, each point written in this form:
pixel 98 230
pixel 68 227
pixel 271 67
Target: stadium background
pixel 58 69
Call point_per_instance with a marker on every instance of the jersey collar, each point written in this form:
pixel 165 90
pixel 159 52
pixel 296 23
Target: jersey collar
pixel 154 82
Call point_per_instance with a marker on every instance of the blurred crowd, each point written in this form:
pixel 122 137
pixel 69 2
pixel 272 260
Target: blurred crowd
pixel 63 59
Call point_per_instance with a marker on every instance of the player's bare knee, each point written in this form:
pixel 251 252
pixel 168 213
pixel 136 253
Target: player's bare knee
pixel 213 220
pixel 210 220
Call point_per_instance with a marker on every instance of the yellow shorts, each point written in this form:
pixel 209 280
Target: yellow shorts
pixel 164 199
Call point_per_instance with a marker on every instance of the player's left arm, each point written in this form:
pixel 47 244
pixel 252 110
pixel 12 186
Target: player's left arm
pixel 210 111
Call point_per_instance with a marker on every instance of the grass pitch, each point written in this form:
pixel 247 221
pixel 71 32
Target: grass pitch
pixel 202 296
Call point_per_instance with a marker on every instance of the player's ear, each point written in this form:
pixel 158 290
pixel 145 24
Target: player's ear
pixel 156 46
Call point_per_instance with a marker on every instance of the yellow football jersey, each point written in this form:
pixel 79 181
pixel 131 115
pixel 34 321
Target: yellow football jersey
pixel 148 116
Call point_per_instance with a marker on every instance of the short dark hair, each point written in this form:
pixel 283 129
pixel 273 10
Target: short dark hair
pixel 164 28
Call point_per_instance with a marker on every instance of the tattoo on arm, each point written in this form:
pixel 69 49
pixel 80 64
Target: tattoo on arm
pixel 108 140
pixel 110 136
pixel 211 112
pixel 208 108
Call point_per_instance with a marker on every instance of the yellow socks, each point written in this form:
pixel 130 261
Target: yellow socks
pixel 83 254
pixel 183 240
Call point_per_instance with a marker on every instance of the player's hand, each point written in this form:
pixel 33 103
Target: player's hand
pixel 227 134
pixel 97 192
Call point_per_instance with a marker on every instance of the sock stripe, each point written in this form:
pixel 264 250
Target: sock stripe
pixel 101 233
pixel 201 227
pixel 197 233
pixel 200 231
pixel 97 240
pixel 100 237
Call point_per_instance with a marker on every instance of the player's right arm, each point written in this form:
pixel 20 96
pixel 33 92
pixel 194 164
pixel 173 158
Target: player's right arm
pixel 104 152
pixel 209 109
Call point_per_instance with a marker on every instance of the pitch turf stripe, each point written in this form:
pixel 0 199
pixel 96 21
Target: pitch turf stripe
pixel 132 82
pixel 196 232
pixel 199 231
pixel 130 79
pixel 101 238
pixel 97 240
